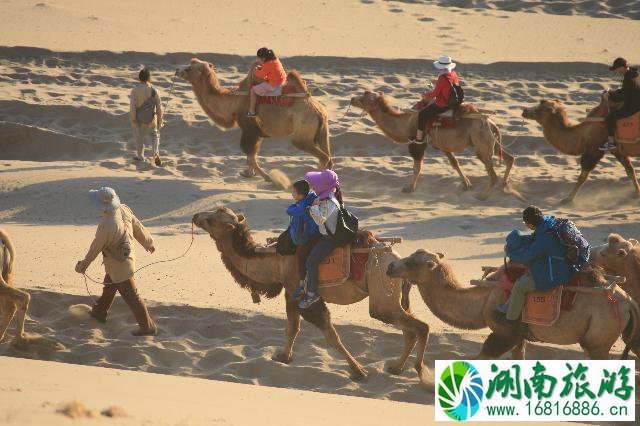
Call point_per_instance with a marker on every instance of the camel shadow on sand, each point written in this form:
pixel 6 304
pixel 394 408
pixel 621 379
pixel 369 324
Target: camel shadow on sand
pixel 235 346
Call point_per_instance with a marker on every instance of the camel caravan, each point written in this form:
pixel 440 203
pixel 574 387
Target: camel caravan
pixel 554 287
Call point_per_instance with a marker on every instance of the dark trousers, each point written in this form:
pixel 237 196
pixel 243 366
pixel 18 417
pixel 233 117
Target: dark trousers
pixel 129 293
pixel 320 251
pixel 616 115
pixel 427 113
pixel 303 253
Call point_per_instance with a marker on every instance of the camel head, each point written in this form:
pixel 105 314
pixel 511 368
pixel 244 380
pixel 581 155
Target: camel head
pixel 218 223
pixel 416 268
pixel 612 256
pixel 368 101
pixel 195 71
pixel 546 108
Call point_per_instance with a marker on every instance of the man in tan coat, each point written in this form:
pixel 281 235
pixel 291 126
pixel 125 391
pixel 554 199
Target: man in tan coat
pixel 146 124
pixel 114 239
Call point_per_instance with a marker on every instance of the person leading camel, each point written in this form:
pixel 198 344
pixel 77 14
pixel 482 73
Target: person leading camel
pixel 324 212
pixel 145 113
pixel 114 239
pixel 439 96
pixel 303 229
pixel 269 69
pixel 628 94
pixel 545 257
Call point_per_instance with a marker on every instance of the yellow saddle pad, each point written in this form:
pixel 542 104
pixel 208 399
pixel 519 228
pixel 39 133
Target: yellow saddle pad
pixel 542 307
pixel 336 268
pixel 628 129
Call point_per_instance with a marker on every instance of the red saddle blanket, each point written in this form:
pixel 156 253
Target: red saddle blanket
pixel 566 304
pixel 282 101
pixel 342 264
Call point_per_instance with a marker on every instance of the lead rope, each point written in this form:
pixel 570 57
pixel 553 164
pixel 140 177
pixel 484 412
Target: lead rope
pixel 86 277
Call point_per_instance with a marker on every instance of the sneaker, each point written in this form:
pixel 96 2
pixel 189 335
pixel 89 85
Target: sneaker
pixel 308 300
pixel 300 290
pixel 251 114
pixel 158 161
pixel 608 147
pixel 99 318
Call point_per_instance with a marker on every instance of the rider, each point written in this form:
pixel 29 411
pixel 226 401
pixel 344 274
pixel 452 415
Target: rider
pixel 629 95
pixel 269 69
pixel 543 254
pixel 324 212
pixel 303 229
pixel 439 95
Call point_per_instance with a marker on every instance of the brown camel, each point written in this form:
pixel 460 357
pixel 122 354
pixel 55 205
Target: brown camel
pixel 592 322
pixel 481 134
pixel 267 274
pixel 305 122
pixel 581 139
pixel 620 257
pixel 11 299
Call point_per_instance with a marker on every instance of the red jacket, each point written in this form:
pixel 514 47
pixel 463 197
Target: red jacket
pixel 272 72
pixel 442 91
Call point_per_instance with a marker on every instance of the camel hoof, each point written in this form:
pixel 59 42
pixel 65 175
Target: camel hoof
pixel 22 342
pixel 281 357
pixel 566 202
pixel 408 189
pixel 358 374
pixel 248 173
pixel 394 369
pixel 466 185
pixel 427 379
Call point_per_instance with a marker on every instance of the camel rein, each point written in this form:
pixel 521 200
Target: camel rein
pixel 353 121
pixel 86 277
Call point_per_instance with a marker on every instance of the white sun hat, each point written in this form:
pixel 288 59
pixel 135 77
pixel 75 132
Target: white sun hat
pixel 444 62
pixel 105 199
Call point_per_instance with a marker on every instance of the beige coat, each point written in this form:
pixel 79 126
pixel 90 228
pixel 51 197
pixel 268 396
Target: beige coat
pixel 139 94
pixel 108 234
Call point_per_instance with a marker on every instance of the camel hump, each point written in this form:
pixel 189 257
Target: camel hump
pixel 295 79
pixel 465 109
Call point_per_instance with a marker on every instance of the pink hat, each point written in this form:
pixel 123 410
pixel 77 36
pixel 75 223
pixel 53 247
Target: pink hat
pixel 323 183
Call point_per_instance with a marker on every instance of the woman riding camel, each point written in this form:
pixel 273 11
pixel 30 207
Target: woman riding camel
pixel 439 96
pixel 324 212
pixel 269 69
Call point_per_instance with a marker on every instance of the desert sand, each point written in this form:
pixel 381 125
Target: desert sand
pixel 66 69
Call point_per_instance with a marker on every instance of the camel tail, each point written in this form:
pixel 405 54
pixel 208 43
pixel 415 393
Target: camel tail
pixel 633 337
pixel 8 266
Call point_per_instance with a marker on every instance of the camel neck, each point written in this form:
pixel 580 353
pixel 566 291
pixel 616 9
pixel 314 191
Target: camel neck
pixel 456 305
pixel 400 127
pixel 221 107
pixel 564 135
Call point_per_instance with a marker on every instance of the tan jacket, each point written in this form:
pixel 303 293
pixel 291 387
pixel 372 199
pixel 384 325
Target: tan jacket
pixel 139 94
pixel 108 234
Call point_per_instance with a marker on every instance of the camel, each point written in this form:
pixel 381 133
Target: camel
pixel 305 122
pixel 620 257
pixel 267 273
pixel 592 322
pixel 581 139
pixel 11 299
pixel 481 134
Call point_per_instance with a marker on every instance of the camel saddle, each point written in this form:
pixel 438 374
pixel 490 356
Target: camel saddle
pixel 628 129
pixel 283 101
pixel 541 307
pixel 342 264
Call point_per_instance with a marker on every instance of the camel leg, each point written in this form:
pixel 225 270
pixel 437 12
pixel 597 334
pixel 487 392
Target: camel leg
pixel 410 338
pixel 518 351
pixel 466 183
pixel 293 328
pixel 588 162
pixel 498 344
pixel 508 160
pixel 20 299
pixel 322 142
pixel 250 143
pixel 324 159
pixel 631 172
pixel 8 311
pixel 493 177
pixel 416 151
pixel 319 315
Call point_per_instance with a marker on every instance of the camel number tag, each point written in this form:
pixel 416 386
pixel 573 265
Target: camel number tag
pixel 535 391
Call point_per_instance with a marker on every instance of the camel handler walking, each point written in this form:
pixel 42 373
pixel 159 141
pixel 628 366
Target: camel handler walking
pixel 114 238
pixel 145 111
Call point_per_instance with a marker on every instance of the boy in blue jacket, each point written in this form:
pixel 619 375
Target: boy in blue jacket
pixel 543 254
pixel 303 230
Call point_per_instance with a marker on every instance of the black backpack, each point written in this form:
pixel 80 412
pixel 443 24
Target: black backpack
pixel 578 248
pixel 285 245
pixel 456 96
pixel 346 227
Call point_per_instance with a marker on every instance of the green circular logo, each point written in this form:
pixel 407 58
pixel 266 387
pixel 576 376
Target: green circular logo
pixel 460 391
